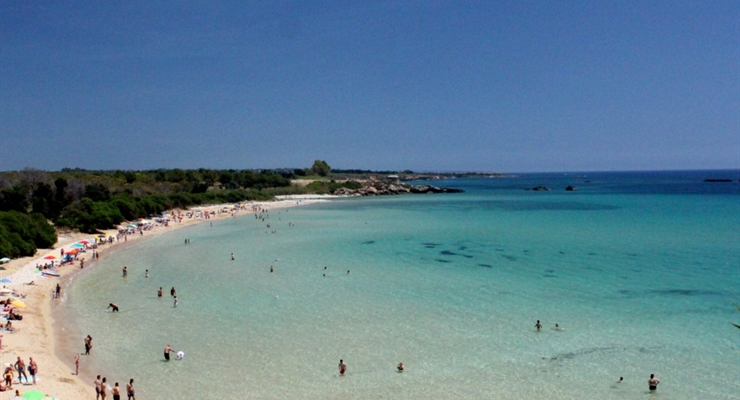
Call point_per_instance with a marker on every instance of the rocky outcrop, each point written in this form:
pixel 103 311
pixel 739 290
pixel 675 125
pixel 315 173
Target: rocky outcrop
pixel 383 188
pixel 540 189
pixel 570 189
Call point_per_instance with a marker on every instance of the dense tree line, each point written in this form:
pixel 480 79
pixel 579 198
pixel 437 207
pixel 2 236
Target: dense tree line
pixel 93 200
pixel 32 200
pixel 21 234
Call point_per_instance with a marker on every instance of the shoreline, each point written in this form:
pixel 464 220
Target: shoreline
pixel 41 333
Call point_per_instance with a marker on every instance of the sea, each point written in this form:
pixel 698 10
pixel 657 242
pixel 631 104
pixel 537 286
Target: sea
pixel 640 270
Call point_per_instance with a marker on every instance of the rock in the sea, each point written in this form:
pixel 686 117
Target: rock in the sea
pixel 540 188
pixel 570 189
pixel 379 188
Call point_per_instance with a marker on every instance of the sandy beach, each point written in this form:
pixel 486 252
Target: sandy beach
pixel 40 336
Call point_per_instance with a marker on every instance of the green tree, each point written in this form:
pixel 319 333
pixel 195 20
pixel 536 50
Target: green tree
pixel 14 198
pixel 42 199
pixel 320 168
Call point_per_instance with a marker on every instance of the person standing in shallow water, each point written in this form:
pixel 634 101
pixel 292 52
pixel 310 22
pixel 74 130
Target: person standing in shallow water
pixel 159 292
pixel 172 292
pixel 167 351
pixel 97 387
pixel 538 325
pixel 653 382
pixel 342 367
pixel 130 390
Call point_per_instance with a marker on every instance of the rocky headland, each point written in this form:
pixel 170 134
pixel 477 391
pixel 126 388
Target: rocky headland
pixel 386 188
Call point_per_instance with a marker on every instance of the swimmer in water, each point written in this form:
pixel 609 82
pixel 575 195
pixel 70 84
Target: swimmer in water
pixel 653 382
pixel 558 328
pixel 400 367
pixel 538 325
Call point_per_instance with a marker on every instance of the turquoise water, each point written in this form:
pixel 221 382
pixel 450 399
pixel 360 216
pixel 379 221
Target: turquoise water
pixel 641 269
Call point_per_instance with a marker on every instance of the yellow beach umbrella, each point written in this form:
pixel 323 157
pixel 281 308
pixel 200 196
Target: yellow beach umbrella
pixel 18 303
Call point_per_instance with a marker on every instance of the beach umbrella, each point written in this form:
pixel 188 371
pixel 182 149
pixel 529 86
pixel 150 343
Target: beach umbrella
pixel 72 251
pixel 50 257
pixel 33 395
pixel 84 241
pixel 78 245
pixel 4 260
pixel 5 280
pixel 5 291
pixel 18 303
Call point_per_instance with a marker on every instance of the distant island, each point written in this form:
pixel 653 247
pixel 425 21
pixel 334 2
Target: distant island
pixel 33 202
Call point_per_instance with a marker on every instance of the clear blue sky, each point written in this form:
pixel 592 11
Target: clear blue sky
pixel 509 86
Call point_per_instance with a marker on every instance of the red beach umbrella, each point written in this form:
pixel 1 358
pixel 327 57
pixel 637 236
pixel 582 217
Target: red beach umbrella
pixel 50 257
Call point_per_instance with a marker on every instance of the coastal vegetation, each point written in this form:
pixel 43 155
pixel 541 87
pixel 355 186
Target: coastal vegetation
pixel 33 202
pixel 92 200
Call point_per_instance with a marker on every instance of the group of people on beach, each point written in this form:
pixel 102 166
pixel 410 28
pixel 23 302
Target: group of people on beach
pixel 102 387
pixel 19 367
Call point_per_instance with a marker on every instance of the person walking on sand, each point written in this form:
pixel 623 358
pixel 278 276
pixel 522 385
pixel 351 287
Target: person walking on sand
pixel 20 366
pixel 57 291
pixel 130 390
pixel 538 325
pixel 653 382
pixel 167 351
pixel 33 369
pixel 97 387
pixel 342 367
pixel 77 364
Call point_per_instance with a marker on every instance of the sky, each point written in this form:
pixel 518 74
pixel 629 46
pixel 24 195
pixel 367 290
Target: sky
pixel 488 86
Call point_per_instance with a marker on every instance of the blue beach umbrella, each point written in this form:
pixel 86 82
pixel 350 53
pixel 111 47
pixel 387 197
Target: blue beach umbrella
pixel 5 280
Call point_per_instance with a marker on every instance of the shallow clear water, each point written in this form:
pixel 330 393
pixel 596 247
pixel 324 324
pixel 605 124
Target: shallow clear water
pixel 641 269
